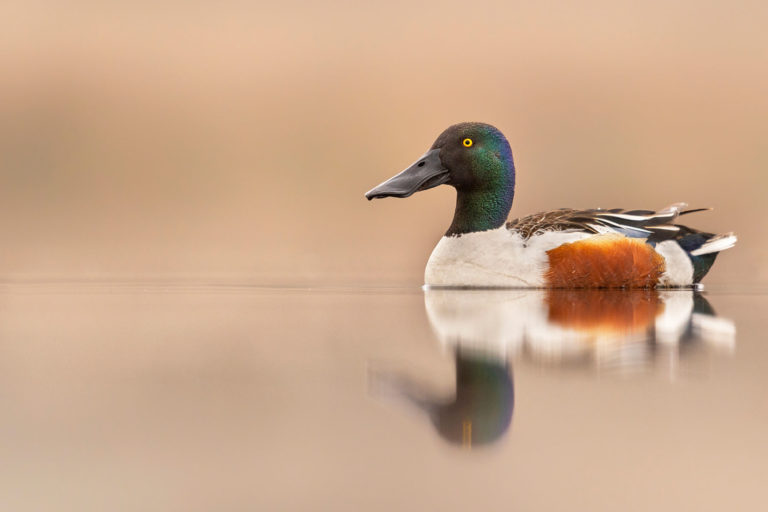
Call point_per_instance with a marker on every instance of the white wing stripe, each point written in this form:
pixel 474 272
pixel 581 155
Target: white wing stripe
pixel 622 226
pixel 624 216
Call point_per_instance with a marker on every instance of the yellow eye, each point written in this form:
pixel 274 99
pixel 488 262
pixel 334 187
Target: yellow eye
pixel 467 143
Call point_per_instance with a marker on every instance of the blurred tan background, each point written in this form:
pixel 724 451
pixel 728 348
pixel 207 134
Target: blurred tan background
pixel 236 140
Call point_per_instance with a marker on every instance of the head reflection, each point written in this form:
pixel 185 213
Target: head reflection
pixel 482 408
pixel 626 331
pixel 476 413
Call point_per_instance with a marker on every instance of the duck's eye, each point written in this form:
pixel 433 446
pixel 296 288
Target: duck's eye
pixel 467 143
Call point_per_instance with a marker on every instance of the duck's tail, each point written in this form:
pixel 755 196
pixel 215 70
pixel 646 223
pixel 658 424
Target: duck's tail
pixel 716 244
pixel 703 248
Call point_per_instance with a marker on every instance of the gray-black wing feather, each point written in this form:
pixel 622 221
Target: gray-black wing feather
pixel 656 226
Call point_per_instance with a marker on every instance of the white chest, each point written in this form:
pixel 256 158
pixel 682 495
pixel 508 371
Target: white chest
pixel 494 258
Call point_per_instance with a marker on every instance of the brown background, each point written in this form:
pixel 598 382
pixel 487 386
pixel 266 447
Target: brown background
pixel 236 140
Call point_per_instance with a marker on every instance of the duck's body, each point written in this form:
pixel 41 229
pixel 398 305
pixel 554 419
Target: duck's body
pixel 563 248
pixel 579 249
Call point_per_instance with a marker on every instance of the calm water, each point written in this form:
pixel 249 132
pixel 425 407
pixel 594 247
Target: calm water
pixel 174 396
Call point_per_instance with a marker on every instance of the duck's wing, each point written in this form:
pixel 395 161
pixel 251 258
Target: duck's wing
pixel 655 226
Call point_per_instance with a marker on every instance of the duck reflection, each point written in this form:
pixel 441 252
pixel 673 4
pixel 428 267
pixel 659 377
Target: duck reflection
pixel 484 330
pixel 609 329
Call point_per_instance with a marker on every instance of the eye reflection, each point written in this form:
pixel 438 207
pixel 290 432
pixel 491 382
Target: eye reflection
pixel 625 332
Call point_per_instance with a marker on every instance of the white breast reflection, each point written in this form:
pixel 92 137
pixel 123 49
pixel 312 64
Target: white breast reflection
pixel 619 330
pixel 626 332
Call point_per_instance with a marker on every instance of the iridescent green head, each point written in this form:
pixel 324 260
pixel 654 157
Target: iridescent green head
pixel 475 159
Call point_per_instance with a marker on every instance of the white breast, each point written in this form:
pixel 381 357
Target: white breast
pixel 494 258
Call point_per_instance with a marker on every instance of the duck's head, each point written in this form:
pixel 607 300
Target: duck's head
pixel 475 159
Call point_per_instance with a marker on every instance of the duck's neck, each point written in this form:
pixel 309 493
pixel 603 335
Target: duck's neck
pixel 481 210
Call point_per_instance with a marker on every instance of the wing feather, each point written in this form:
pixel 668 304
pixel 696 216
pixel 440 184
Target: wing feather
pixel 655 226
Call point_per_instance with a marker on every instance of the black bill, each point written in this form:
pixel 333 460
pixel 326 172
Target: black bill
pixel 427 172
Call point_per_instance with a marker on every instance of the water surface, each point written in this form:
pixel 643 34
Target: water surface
pixel 198 396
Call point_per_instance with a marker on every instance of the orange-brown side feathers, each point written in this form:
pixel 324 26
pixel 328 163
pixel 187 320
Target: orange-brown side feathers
pixel 604 261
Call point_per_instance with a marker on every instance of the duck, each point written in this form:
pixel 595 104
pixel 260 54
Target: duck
pixel 562 248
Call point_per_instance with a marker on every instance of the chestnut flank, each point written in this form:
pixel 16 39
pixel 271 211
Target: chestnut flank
pixel 604 261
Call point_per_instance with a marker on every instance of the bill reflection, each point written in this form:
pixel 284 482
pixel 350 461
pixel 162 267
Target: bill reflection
pixel 639 331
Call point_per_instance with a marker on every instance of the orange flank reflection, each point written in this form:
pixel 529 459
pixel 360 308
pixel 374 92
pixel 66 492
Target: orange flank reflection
pixel 608 311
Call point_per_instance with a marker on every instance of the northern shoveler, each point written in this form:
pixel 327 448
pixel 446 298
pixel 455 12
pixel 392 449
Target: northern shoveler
pixel 565 248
